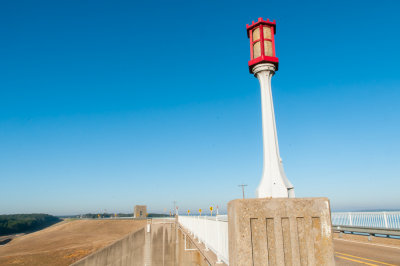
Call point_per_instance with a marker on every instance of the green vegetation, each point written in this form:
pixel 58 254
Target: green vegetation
pixel 154 215
pixel 18 223
pixel 102 215
pixel 110 215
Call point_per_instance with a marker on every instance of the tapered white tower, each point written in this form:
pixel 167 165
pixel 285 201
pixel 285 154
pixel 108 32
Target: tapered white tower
pixel 263 64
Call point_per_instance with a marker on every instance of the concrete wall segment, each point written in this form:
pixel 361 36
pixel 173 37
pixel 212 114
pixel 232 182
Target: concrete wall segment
pixel 126 251
pixel 164 241
pixel 280 231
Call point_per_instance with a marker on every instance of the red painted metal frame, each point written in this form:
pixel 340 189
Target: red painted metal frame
pixel 263 58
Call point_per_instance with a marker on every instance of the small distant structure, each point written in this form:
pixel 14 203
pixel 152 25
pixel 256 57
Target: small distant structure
pixel 140 211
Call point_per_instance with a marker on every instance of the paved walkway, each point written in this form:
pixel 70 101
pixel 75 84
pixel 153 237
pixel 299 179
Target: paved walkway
pixel 353 252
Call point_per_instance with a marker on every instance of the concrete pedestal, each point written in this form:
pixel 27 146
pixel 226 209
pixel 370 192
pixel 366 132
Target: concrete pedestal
pixel 280 231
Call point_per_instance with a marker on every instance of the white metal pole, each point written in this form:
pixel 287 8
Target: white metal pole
pixel 218 240
pixel 274 182
pixel 385 217
pixel 206 240
pixel 351 222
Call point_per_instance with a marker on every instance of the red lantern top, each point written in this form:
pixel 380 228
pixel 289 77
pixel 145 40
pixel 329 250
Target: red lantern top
pixel 262 43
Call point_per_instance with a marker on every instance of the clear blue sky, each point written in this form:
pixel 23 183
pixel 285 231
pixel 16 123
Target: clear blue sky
pixel 104 105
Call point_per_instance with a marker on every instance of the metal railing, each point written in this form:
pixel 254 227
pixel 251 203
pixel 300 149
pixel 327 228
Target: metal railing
pixel 388 220
pixel 212 231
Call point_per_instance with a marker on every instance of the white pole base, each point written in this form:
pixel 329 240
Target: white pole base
pixel 274 182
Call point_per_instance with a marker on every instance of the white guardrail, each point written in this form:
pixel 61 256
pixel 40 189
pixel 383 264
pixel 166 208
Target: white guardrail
pixel 388 220
pixel 212 231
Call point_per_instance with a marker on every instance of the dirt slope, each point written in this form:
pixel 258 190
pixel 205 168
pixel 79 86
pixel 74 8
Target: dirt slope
pixel 65 242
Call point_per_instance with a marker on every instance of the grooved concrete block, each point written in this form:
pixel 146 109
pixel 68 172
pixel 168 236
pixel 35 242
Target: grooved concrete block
pixel 280 231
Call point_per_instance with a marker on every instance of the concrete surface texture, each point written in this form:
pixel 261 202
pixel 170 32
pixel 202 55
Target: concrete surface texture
pixel 187 251
pixel 280 231
pixel 127 251
pixel 140 211
pixel 193 252
pixel 153 245
pixel 65 242
pixel 162 244
pixel 157 244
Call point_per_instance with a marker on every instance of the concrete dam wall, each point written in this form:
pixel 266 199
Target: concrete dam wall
pixel 260 232
pixel 157 244
pixel 127 251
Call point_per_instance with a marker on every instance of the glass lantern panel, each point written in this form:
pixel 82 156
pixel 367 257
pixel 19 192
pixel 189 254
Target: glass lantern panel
pixel 256 50
pixel 256 34
pixel 268 48
pixel 267 32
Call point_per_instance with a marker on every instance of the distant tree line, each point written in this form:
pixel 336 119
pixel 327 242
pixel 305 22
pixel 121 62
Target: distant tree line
pixel 111 215
pixel 18 223
pixel 157 215
pixel 104 215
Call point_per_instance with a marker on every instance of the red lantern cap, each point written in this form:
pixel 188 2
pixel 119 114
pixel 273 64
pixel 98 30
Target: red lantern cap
pixel 259 22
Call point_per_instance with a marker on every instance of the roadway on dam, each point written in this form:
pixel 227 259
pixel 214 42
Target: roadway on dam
pixel 356 252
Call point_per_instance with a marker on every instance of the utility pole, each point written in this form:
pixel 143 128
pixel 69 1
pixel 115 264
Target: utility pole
pixel 242 185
